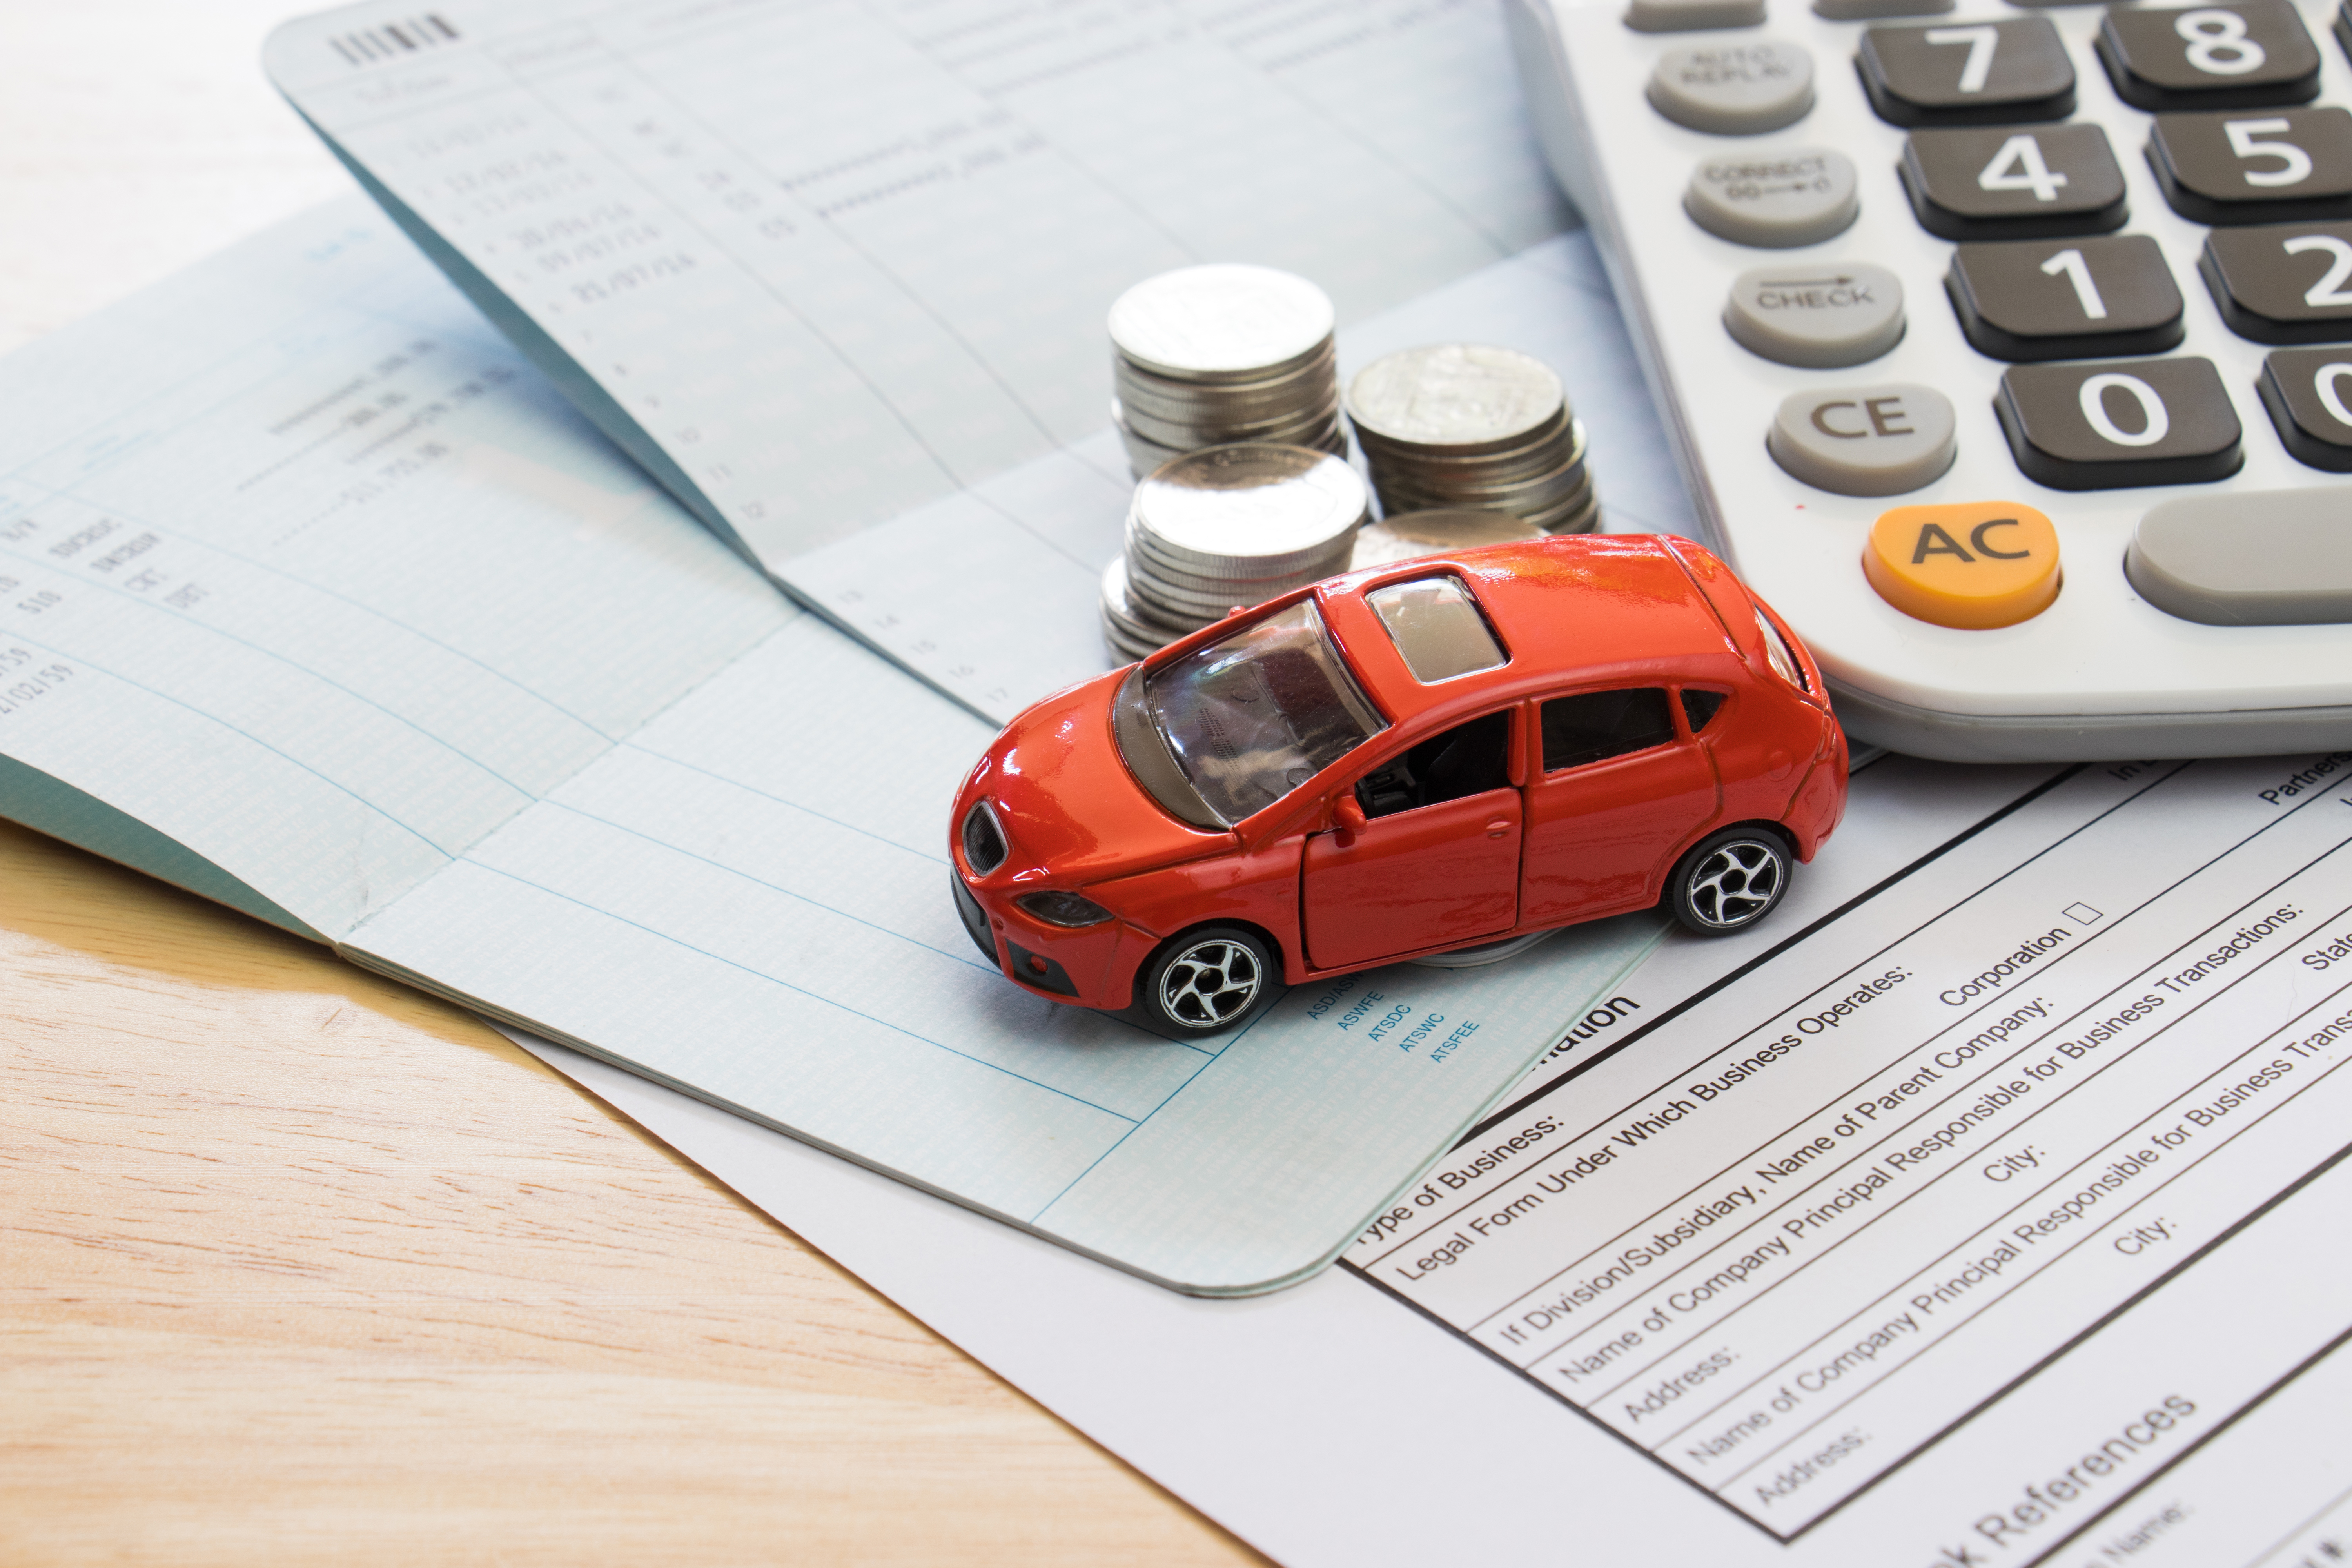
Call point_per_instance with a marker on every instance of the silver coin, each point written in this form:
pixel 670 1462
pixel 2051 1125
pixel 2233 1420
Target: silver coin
pixel 1455 397
pixel 1318 371
pixel 1558 445
pixel 1152 587
pixel 1283 429
pixel 1413 534
pixel 1221 321
pixel 1283 507
pixel 1145 560
pixel 1121 610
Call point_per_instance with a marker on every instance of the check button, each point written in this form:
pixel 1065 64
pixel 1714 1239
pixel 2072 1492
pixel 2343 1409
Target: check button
pixel 1975 565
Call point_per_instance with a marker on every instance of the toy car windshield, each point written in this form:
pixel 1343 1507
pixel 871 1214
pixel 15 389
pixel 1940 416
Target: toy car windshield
pixel 1254 715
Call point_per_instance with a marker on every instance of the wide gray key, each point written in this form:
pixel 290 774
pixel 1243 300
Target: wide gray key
pixel 1975 73
pixel 2263 558
pixel 1872 10
pixel 1692 16
pixel 1864 440
pixel 2121 424
pixel 1818 315
pixel 2065 298
pixel 2239 56
pixel 1801 196
pixel 2013 183
pixel 1734 88
pixel 2308 394
pixel 2284 283
pixel 2285 165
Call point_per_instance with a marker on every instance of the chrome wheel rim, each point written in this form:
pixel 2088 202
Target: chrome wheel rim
pixel 1210 983
pixel 1736 883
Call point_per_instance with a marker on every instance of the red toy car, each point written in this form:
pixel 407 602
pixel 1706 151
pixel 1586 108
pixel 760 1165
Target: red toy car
pixel 1407 760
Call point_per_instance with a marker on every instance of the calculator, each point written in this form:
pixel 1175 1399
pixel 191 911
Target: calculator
pixel 2006 351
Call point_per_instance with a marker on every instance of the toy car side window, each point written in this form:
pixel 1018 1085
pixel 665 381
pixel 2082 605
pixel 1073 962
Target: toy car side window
pixel 1593 726
pixel 1469 759
pixel 1698 707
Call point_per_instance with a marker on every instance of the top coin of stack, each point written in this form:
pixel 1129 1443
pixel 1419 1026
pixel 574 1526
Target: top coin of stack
pixel 1409 535
pixel 1231 526
pixel 1206 357
pixel 1461 426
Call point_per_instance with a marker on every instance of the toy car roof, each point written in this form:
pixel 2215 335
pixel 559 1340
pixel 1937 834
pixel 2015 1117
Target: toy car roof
pixel 1569 605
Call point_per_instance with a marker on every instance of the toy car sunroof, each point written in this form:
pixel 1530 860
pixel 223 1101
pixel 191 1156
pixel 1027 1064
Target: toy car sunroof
pixel 2007 352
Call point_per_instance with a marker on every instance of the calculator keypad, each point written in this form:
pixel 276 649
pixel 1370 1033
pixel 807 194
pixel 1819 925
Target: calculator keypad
pixel 1980 73
pixel 2281 284
pixel 1734 89
pixel 2278 167
pixel 2065 298
pixel 2308 395
pixel 2013 181
pixel 2119 425
pixel 1801 196
pixel 2242 55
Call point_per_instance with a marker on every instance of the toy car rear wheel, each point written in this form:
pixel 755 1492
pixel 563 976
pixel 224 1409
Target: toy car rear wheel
pixel 1206 981
pixel 1730 880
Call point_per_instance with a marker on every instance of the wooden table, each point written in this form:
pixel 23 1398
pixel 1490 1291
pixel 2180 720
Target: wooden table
pixel 297 1264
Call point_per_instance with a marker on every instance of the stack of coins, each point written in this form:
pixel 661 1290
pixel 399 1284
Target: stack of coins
pixel 1461 426
pixel 1231 526
pixel 1408 536
pixel 1205 356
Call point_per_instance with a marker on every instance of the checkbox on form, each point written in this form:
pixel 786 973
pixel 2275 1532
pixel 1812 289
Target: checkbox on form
pixel 2082 914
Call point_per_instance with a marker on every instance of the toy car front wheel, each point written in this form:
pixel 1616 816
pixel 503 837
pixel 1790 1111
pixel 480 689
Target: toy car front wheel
pixel 1729 881
pixel 1205 980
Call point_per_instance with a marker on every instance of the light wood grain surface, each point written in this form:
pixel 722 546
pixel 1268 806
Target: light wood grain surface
pixel 299 1266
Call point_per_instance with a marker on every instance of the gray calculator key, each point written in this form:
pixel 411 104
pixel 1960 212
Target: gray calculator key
pixel 2260 558
pixel 1734 88
pixel 2065 298
pixel 2281 165
pixel 1975 73
pixel 1875 10
pixel 1801 196
pixel 2282 283
pixel 2239 56
pixel 2013 181
pixel 1692 16
pixel 2308 395
pixel 2118 424
pixel 1819 315
pixel 1864 440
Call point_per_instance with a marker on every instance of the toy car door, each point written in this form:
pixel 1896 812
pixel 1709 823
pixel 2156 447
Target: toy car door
pixel 1437 860
pixel 1620 789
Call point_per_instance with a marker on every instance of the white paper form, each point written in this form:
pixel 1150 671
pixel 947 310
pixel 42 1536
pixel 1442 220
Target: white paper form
pixel 818 265
pixel 313 582
pixel 2156 1380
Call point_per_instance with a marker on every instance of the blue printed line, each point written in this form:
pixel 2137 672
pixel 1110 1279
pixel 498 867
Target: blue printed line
pixel 960 961
pixel 632 744
pixel 215 719
pixel 802 991
pixel 1147 1116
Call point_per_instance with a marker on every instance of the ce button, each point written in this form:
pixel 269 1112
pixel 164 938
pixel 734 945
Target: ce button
pixel 1864 440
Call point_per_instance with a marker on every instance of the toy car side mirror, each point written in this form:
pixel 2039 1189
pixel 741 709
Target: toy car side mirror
pixel 1348 814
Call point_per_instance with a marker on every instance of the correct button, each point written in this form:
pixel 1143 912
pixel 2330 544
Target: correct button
pixel 1801 196
pixel 1818 315
pixel 1864 440
pixel 1975 565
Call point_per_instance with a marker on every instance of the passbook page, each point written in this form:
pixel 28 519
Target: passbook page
pixel 303 568
pixel 830 262
pixel 313 579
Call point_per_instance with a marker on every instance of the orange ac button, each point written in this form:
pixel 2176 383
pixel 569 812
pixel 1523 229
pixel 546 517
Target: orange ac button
pixel 1976 564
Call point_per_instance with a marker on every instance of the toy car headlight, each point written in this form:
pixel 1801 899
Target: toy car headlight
pixel 984 845
pixel 1058 909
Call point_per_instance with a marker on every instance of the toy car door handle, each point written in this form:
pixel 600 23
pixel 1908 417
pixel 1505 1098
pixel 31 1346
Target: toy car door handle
pixel 1499 826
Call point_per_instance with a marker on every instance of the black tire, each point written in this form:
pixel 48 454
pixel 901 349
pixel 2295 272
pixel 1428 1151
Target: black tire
pixel 1206 981
pixel 1730 880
